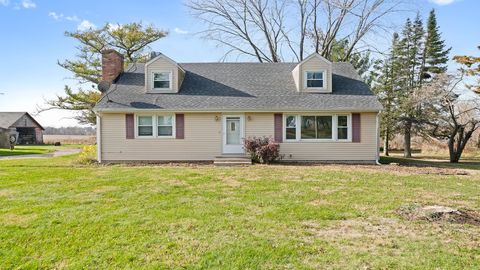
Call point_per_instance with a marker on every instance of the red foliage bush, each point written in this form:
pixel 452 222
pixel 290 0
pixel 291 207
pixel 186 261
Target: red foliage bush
pixel 262 149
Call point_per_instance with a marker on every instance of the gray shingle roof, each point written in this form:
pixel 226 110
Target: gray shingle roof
pixel 240 86
pixel 7 119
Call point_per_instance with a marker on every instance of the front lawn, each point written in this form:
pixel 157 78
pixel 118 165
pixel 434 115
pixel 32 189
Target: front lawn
pixel 55 214
pixel 26 150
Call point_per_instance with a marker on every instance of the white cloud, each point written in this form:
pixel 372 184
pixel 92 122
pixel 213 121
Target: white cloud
pixel 4 2
pixel 72 18
pixel 442 2
pixel 180 31
pixel 55 16
pixel 60 17
pixel 28 4
pixel 86 25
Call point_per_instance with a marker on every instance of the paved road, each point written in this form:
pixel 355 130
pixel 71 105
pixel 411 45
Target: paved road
pixel 61 151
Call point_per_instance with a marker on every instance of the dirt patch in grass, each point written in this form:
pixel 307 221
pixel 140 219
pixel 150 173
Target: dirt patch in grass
pixel 436 213
pixel 6 193
pixel 360 228
pixel 11 219
pixel 408 170
pixel 232 182
pixel 389 168
pixel 319 202
pixel 104 189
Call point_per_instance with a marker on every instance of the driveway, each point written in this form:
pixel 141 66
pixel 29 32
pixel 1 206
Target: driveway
pixel 61 151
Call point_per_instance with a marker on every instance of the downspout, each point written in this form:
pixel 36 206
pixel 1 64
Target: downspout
pixel 99 138
pixel 377 139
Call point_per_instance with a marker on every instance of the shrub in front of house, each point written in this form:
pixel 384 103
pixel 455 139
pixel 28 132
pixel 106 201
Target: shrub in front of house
pixel 262 149
pixel 88 154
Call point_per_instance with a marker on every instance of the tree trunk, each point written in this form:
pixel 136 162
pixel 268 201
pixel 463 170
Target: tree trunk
pixel 386 142
pixel 454 157
pixel 407 150
pixel 463 137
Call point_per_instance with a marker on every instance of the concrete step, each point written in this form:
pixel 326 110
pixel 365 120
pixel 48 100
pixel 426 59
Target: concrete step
pixel 232 160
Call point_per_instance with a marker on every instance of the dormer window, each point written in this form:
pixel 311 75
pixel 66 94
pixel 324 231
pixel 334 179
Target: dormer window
pixel 314 79
pixel 162 80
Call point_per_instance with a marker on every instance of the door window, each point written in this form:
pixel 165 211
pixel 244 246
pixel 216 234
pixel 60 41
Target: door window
pixel 233 130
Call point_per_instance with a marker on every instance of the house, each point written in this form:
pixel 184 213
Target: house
pixel 168 111
pixel 28 130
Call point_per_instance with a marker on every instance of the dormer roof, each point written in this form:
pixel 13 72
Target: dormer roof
pixel 314 55
pixel 159 55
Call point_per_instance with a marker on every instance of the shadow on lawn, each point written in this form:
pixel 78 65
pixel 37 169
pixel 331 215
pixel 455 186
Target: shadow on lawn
pixel 22 151
pixel 468 164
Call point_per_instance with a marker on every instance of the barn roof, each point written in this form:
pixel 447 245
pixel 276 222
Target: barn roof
pixel 8 119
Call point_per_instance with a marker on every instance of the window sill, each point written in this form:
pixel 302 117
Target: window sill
pixel 153 138
pixel 161 91
pixel 316 90
pixel 316 141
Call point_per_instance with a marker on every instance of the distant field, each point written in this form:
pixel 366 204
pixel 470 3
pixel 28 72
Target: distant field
pixel 69 139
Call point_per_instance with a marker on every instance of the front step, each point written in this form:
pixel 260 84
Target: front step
pixel 232 160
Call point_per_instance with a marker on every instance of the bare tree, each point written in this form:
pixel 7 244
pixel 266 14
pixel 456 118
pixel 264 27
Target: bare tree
pixel 249 27
pixel 271 30
pixel 451 117
pixel 350 21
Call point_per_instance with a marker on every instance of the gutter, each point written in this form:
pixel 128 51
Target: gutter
pixel 99 139
pixel 377 139
pixel 219 110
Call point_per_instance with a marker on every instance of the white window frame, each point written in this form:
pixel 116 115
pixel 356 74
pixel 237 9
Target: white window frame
pixel 349 127
pixel 170 84
pixel 324 79
pixel 316 139
pixel 173 125
pixel 285 116
pixel 155 126
pixel 137 126
pixel 298 118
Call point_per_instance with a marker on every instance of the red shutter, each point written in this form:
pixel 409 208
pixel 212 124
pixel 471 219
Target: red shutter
pixel 129 126
pixel 356 127
pixel 179 126
pixel 278 130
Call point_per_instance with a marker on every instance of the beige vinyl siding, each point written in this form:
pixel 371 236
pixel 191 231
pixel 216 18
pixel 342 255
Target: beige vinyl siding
pixel 314 64
pixel 163 65
pixel 363 151
pixel 263 125
pixel 259 124
pixel 203 141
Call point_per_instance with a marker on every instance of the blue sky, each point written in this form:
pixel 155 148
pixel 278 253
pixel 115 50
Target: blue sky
pixel 32 40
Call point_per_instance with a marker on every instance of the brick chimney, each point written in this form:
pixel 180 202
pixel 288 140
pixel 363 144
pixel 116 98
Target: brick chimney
pixel 112 65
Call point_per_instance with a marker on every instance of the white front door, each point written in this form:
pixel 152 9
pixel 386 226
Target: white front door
pixel 233 134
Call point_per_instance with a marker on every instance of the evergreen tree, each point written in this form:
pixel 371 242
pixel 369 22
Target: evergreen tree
pixel 415 56
pixel 436 53
pixel 385 76
pixel 410 51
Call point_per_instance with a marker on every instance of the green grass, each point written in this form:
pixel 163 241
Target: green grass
pixel 26 150
pixel 55 214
